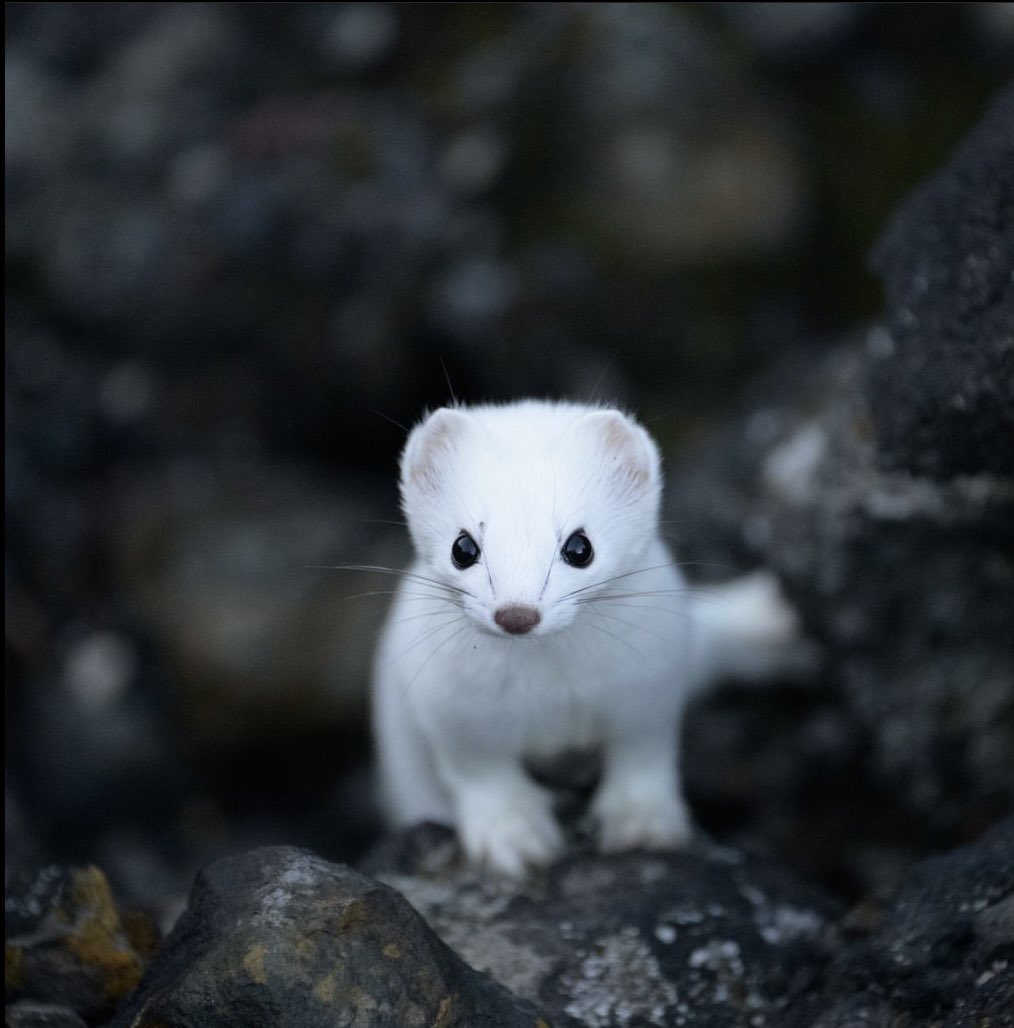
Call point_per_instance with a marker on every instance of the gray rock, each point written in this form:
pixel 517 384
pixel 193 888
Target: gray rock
pixel 702 938
pixel 40 1015
pixel 944 950
pixel 909 585
pixel 942 381
pixel 238 564
pixel 660 184
pixel 790 31
pixel 67 944
pixel 99 746
pixel 280 937
pixel 713 937
pixel 708 937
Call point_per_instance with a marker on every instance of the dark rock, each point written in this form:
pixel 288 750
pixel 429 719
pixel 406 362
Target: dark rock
pixel 794 32
pixel 67 944
pixel 908 583
pixel 280 937
pixel 703 938
pixel 40 1015
pixel 716 938
pixel 942 381
pixel 661 185
pixel 106 705
pixel 238 564
pixel 944 952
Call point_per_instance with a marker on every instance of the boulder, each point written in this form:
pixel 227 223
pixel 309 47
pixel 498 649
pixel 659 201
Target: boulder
pixel 68 950
pixel 707 937
pixel 907 743
pixel 942 376
pixel 943 948
pixel 278 937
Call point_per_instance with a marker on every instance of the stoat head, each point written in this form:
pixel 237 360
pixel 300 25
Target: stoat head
pixel 527 511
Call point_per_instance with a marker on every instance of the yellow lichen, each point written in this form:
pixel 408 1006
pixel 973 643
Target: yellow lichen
pixel 354 913
pixel 253 963
pixel 97 938
pixel 325 989
pixel 392 950
pixel 443 1013
pixel 14 968
pixel 142 933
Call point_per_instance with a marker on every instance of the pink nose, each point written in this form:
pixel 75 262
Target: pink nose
pixel 517 618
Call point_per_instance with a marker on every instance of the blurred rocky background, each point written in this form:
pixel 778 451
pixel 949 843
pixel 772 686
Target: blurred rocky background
pixel 247 244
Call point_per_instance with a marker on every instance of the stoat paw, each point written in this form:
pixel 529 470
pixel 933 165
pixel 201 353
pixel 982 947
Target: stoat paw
pixel 511 838
pixel 643 825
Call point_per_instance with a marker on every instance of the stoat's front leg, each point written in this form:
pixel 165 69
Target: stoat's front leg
pixel 504 819
pixel 639 802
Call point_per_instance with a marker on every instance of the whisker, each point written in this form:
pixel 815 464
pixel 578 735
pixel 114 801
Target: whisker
pixel 632 624
pixel 412 576
pixel 387 417
pixel 616 638
pixel 372 592
pixel 423 636
pixel 601 597
pixel 418 617
pixel 436 597
pixel 679 611
pixel 625 574
pixel 454 635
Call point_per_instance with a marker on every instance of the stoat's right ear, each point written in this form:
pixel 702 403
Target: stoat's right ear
pixel 430 446
pixel 629 455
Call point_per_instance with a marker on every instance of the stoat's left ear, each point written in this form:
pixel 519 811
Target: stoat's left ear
pixel 629 452
pixel 430 446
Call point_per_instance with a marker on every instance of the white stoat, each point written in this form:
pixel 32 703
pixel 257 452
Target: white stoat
pixel 544 613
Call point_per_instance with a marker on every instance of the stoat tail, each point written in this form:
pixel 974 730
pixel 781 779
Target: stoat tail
pixel 746 630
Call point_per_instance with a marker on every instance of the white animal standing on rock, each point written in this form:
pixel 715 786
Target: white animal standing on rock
pixel 544 613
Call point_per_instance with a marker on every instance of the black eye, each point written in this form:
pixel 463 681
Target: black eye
pixel 465 551
pixel 577 550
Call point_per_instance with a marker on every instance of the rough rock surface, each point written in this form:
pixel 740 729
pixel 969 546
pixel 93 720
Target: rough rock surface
pixel 279 937
pixel 942 382
pixel 909 585
pixel 707 938
pixel 26 1014
pixel 713 937
pixel 943 950
pixel 68 951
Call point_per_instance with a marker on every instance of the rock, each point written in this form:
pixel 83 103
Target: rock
pixel 909 585
pixel 712 937
pixel 704 938
pixel 660 185
pixel 358 36
pixel 98 747
pixel 279 936
pixel 942 379
pixel 709 937
pixel 238 564
pixel 67 944
pixel 944 950
pixel 794 32
pixel 40 1015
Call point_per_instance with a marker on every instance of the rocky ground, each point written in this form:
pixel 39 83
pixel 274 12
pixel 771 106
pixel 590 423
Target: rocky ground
pixel 243 239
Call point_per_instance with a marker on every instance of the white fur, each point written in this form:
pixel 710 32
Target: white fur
pixel 622 643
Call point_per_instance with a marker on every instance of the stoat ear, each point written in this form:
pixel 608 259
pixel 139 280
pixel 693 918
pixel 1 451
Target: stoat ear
pixel 629 451
pixel 430 445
